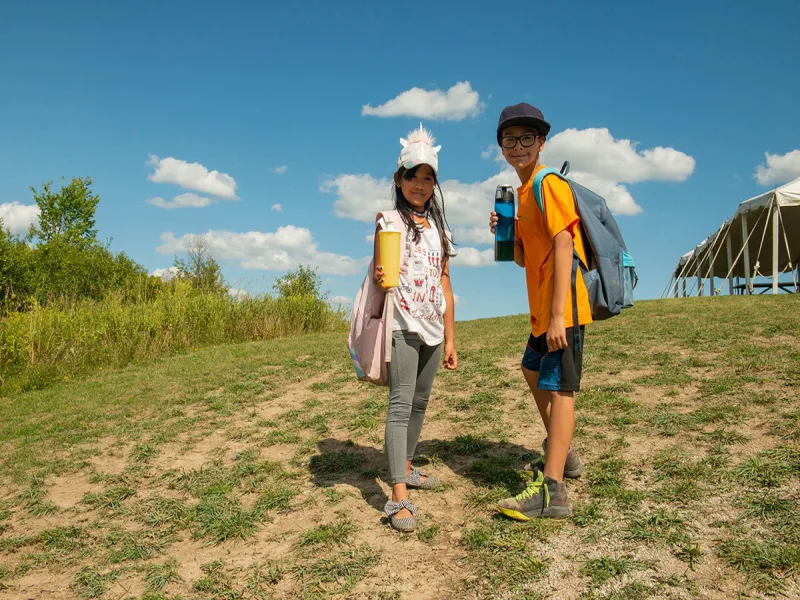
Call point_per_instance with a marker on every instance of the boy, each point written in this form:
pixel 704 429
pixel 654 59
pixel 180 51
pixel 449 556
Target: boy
pixel 546 241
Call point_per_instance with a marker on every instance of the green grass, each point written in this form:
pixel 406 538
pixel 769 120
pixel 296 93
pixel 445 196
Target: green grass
pixel 157 576
pixel 92 583
pixel 238 452
pixel 600 570
pixel 327 535
pixel 221 517
pixel 336 573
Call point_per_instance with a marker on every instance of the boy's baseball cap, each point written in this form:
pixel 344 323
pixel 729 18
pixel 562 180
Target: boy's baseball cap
pixel 522 114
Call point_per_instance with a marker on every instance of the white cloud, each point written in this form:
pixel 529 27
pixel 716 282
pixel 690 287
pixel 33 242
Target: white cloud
pixel 359 197
pixel 595 151
pixel 280 170
pixel 187 200
pixel 276 208
pixel 600 162
pixel 17 217
pixel 283 249
pixel 603 163
pixel 474 235
pixel 370 238
pixel 456 104
pixel 459 301
pixel 472 257
pixel 192 176
pixel 238 294
pixel 780 168
pixel 341 300
pixel 165 274
pixel 493 152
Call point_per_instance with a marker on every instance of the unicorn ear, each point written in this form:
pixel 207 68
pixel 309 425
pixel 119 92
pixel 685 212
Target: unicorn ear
pixel 436 149
pixel 403 143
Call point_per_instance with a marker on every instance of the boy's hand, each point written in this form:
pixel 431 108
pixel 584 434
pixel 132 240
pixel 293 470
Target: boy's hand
pixel 493 219
pixel 556 334
pixel 379 274
pixel 450 357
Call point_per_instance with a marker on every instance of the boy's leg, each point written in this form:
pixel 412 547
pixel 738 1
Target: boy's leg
pixel 542 397
pixel 535 351
pixel 559 376
pixel 559 435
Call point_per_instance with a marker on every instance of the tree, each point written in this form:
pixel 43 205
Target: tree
pixel 15 270
pixel 68 215
pixel 303 282
pixel 200 269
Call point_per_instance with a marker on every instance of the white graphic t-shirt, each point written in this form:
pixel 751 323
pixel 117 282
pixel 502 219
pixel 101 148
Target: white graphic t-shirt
pixel 419 299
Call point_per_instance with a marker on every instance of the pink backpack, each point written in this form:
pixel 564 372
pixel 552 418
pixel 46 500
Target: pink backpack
pixel 370 339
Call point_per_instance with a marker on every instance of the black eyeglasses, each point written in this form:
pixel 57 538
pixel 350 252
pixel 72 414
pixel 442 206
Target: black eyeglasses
pixel 527 140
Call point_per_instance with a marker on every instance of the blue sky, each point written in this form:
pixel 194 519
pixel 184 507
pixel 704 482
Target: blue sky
pixel 666 110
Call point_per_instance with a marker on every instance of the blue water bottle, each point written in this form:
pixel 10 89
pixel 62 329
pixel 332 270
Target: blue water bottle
pixel 504 232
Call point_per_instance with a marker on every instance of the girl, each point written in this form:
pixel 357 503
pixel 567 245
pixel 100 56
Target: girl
pixel 423 318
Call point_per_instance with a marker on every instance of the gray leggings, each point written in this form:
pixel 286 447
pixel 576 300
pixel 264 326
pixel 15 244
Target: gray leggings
pixel 411 372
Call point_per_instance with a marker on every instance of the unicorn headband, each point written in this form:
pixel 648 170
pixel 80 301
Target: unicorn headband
pixel 418 149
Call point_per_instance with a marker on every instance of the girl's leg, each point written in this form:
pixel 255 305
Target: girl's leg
pixel 429 357
pixel 402 383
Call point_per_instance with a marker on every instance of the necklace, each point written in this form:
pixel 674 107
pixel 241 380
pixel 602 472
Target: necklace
pixel 421 215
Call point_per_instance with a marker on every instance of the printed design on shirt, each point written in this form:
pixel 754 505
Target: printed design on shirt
pixel 421 294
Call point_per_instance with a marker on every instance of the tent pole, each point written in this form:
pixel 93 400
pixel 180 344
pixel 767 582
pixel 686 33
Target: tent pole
pixel 746 254
pixel 730 265
pixel 684 282
pixel 775 231
pixel 699 281
pixel 711 273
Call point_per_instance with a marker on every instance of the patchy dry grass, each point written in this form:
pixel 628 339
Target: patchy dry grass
pixel 256 471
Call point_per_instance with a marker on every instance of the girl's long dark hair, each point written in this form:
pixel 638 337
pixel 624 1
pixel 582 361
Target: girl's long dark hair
pixel 433 207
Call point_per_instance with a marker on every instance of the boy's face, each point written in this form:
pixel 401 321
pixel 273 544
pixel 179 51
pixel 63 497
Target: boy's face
pixel 519 156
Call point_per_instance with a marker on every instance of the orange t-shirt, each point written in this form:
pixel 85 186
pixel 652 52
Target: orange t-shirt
pixel 536 231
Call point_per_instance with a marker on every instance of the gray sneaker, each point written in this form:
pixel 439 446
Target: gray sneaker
pixel 572 468
pixel 543 498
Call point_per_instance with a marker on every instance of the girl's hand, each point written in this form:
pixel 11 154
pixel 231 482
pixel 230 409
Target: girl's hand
pixel 450 357
pixel 379 274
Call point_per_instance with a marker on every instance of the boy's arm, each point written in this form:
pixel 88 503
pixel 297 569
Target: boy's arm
pixel 562 269
pixel 450 356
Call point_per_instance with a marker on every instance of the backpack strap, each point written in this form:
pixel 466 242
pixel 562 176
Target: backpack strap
pixel 394 217
pixel 537 184
pixel 537 193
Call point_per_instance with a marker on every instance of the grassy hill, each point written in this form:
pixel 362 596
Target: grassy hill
pixel 255 470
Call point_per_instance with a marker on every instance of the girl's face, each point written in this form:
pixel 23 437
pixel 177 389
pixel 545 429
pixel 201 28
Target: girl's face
pixel 418 189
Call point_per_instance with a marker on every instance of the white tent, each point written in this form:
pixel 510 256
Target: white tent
pixel 762 239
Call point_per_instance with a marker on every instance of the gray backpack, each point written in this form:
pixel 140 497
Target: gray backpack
pixel 610 275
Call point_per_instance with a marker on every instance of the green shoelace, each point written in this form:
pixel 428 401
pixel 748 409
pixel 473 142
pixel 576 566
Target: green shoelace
pixel 533 489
